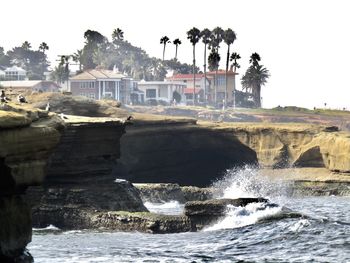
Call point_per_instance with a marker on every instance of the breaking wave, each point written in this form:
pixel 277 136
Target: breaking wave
pixel 167 208
pixel 244 216
pixel 248 182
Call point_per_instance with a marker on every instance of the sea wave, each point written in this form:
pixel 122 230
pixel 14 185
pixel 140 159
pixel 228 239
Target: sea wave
pixel 48 228
pixel 243 216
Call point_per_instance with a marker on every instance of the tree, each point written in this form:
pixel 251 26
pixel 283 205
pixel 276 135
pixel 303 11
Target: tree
pixel 4 59
pixel 234 57
pixel 254 59
pixel 43 47
pixel 194 35
pixel 229 36
pixel 214 45
pixel 205 35
pixel 94 40
pixel 77 57
pixel 164 40
pixel 255 77
pixel 61 72
pixel 176 42
pixel 26 45
pixel 33 61
pixel 117 34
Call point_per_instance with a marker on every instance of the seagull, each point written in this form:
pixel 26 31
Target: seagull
pixel 47 108
pixel 21 99
pixel 63 117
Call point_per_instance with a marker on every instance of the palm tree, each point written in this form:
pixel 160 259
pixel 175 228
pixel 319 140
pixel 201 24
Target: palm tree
pixel 164 40
pixel 117 34
pixel 77 57
pixel 194 35
pixel 215 40
pixel 26 45
pixel 254 59
pixel 205 35
pixel 43 47
pixel 176 42
pixel 234 57
pixel 255 77
pixel 229 37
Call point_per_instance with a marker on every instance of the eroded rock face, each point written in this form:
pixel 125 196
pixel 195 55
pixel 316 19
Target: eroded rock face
pixel 300 145
pixel 159 193
pixel 166 151
pixel 79 179
pixel 27 138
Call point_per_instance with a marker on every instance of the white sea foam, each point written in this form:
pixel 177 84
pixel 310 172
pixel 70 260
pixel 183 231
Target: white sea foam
pixel 48 228
pixel 168 208
pixel 299 225
pixel 244 216
pixel 240 183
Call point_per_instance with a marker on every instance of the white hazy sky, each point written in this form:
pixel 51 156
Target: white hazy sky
pixel 304 43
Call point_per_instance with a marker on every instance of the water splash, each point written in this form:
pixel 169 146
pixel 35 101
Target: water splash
pixel 249 182
pixel 244 216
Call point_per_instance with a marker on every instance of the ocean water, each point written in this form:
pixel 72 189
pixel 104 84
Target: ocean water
pixel 247 234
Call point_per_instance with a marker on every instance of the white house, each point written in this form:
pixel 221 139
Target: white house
pixel 102 84
pixel 15 73
pixel 2 74
pixel 162 90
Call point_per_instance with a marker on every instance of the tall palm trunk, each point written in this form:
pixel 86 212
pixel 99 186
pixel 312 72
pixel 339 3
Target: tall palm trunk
pixel 175 52
pixel 257 95
pixel 163 51
pixel 194 74
pixel 205 72
pixel 216 86
pixel 226 84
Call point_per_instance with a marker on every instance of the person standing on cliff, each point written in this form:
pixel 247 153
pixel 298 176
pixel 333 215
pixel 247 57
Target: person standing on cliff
pixel 3 97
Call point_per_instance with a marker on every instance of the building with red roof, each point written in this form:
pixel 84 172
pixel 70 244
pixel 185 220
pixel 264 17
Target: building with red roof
pixel 213 88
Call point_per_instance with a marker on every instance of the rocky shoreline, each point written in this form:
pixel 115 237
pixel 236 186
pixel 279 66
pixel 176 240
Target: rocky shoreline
pixel 80 158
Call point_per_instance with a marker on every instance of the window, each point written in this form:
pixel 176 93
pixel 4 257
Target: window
pixel 151 93
pixel 221 81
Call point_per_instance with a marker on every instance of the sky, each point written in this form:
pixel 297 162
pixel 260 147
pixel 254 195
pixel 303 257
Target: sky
pixel 305 44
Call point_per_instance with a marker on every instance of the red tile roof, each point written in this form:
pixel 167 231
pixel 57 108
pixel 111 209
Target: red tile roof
pixel 210 74
pixel 186 76
pixel 190 90
pixel 222 72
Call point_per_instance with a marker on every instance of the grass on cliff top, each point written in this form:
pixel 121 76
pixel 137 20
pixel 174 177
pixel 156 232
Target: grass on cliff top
pixel 293 110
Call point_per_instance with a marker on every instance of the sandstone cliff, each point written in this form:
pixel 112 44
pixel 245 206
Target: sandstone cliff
pixel 27 137
pixel 79 176
pixel 177 150
pixel 286 145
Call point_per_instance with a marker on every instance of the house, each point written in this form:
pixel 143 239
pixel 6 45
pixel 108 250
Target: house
pixel 212 79
pixel 219 80
pixel 15 73
pixel 102 84
pixel 188 80
pixel 31 85
pixel 162 90
pixel 2 75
